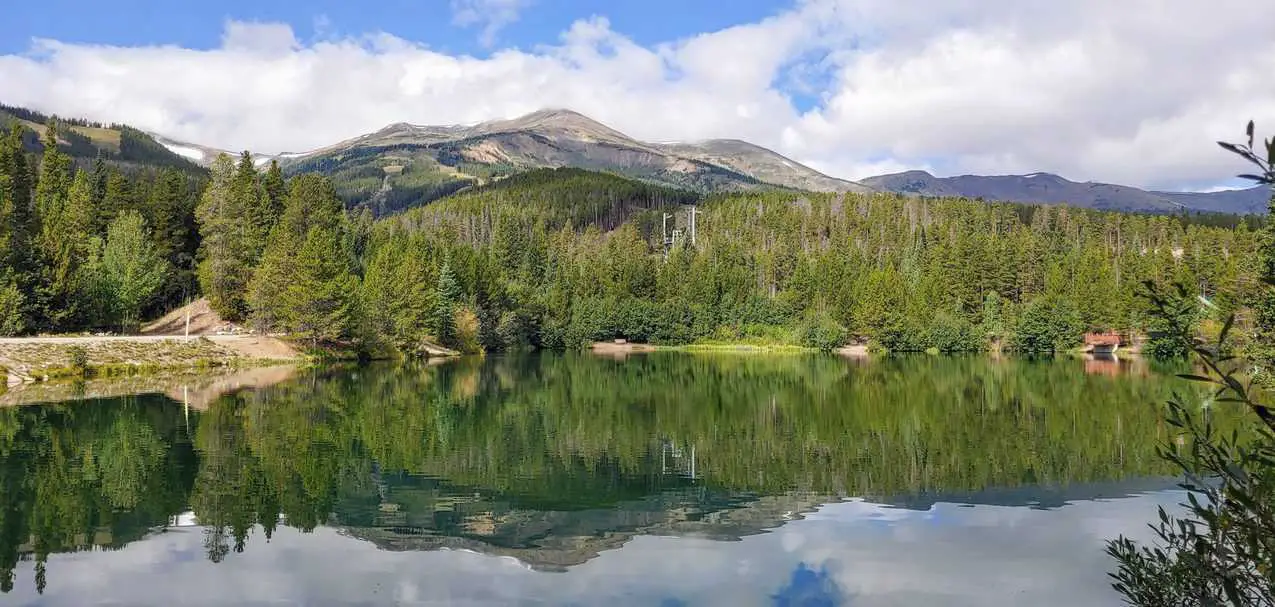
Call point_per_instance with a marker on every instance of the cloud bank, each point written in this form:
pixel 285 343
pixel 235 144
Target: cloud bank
pixel 1133 92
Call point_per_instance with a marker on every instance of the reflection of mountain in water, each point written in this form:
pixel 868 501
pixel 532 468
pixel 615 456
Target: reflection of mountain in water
pixel 1040 497
pixel 552 540
pixel 553 460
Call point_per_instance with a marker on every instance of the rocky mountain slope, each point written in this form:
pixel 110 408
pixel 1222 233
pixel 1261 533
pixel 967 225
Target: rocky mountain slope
pixel 405 164
pixel 1045 188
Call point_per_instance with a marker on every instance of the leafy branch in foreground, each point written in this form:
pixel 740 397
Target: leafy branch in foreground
pixel 1266 166
pixel 1221 550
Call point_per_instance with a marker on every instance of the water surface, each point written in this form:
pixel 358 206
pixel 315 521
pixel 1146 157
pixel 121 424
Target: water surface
pixel 660 479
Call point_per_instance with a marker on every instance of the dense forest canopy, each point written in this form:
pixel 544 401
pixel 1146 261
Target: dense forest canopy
pixel 556 258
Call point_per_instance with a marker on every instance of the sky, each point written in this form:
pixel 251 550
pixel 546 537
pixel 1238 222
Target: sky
pixel 1135 92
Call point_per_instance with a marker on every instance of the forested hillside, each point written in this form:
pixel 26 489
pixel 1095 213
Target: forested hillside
pixel 84 141
pixel 556 258
pixel 88 245
pixel 910 274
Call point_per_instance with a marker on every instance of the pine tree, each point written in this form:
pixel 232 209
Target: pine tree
pixel 446 295
pixel 318 303
pixel 120 196
pixel 311 205
pixel 55 179
pixel 21 226
pixel 251 196
pixel 66 241
pixel 225 255
pixel 396 294
pixel 12 306
pixel 171 214
pixel 276 190
pixel 100 176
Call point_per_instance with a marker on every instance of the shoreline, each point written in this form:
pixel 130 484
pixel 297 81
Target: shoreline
pixel 27 360
pixel 848 351
pixel 196 388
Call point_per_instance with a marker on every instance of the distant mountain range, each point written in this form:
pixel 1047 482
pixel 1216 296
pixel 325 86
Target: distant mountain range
pixel 404 165
pixel 1045 188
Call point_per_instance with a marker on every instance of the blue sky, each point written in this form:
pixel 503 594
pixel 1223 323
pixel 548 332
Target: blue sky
pixel 199 24
pixel 1132 92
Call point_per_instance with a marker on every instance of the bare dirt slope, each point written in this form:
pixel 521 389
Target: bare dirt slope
pixel 203 321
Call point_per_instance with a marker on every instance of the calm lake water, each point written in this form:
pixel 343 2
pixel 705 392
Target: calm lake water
pixel 661 479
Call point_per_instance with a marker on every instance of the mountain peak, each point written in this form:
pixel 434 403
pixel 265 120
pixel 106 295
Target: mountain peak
pixel 554 118
pixel 555 113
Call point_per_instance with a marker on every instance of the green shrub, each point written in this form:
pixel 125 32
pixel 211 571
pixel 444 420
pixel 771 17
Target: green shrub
pixel 823 333
pixel 1047 325
pixel 79 360
pixel 952 334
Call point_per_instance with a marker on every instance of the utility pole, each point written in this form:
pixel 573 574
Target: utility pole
pixel 694 211
pixel 665 228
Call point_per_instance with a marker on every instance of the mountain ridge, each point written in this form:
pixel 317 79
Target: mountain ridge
pixel 1049 188
pixel 386 168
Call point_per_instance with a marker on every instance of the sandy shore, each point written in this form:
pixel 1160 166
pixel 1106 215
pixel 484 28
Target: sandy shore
pixel 28 358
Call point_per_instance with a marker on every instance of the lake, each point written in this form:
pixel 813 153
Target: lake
pixel 656 479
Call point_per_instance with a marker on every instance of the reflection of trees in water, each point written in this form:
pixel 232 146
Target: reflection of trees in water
pixel 532 455
pixel 93 475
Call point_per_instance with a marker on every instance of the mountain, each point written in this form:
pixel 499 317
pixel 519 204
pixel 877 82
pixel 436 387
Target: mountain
pixel 1252 200
pixel 404 164
pixel 1045 188
pixel 83 141
pixel 763 164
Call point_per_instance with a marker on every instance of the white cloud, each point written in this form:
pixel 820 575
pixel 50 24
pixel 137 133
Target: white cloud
pixel 493 15
pixel 1132 92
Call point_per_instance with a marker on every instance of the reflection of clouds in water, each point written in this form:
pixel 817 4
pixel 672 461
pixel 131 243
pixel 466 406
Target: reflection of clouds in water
pixel 871 555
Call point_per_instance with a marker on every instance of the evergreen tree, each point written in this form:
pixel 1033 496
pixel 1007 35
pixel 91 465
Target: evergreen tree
pixel 251 196
pixel 12 307
pixel 225 254
pixel 311 205
pixel 101 174
pixel 21 226
pixel 396 294
pixel 55 180
pixel 120 196
pixel 318 303
pixel 66 241
pixel 276 196
pixel 172 216
pixel 446 295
